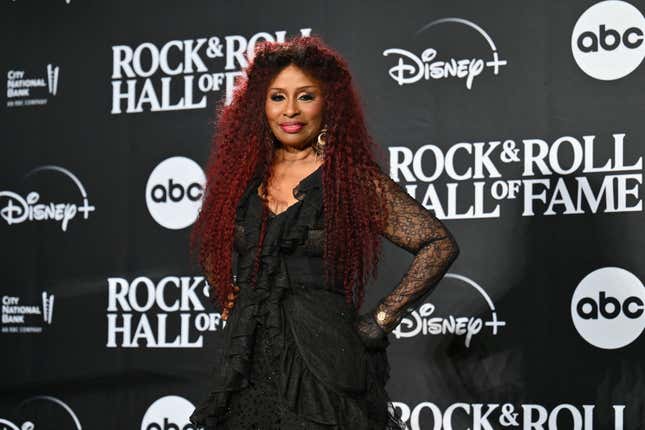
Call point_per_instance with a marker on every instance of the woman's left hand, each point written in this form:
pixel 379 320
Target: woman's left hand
pixel 371 334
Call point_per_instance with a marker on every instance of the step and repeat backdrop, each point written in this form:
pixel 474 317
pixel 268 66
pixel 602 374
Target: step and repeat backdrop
pixel 520 124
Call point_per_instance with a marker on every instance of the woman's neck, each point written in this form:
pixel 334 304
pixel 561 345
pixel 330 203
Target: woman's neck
pixel 294 155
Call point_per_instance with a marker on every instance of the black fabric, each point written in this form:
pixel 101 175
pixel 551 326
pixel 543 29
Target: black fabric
pixel 372 335
pixel 414 228
pixel 292 355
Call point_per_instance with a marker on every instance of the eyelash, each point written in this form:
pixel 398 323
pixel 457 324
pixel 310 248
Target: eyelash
pixel 278 97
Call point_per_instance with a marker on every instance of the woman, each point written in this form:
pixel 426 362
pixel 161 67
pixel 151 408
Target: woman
pixel 295 196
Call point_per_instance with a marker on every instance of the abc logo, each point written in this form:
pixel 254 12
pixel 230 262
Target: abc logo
pixel 174 192
pixel 607 308
pixel 608 40
pixel 168 413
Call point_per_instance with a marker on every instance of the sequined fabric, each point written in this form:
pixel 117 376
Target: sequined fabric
pixel 259 406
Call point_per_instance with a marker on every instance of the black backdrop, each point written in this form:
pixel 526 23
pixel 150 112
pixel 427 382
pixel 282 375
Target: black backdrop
pixel 520 124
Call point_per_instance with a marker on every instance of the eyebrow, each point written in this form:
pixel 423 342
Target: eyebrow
pixel 299 88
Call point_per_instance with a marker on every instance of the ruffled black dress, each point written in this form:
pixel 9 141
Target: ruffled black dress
pixel 292 358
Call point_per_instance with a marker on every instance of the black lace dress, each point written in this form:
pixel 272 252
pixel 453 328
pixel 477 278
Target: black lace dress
pixel 293 356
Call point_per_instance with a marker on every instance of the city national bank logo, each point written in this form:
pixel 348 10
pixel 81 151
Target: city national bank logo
pixel 26 90
pixel 18 209
pixel 43 412
pixel 489 416
pixel 174 192
pixel 437 319
pixel 180 74
pixel 429 64
pixel 167 314
pixel 607 308
pixel 168 413
pixel 608 40
pixel 18 317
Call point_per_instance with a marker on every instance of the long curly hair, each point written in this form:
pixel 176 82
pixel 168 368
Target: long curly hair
pixel 243 143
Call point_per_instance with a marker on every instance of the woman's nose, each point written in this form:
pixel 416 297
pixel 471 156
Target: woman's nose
pixel 291 109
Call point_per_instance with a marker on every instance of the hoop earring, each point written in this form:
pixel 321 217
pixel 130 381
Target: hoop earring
pixel 319 145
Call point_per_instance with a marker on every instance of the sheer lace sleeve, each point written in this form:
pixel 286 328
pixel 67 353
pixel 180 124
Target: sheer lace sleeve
pixel 414 228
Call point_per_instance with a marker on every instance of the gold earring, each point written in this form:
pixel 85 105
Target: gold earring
pixel 319 146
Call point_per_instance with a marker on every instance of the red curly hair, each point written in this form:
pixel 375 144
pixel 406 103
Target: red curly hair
pixel 354 215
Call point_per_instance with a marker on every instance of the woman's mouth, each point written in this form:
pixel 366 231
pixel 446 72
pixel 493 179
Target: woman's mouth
pixel 291 127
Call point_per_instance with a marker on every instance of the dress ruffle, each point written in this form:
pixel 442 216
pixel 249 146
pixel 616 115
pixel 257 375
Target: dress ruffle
pixel 325 375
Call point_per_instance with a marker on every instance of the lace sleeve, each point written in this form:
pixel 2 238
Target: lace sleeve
pixel 414 228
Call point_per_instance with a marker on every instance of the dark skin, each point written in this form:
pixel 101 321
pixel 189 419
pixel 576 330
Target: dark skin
pixel 294 107
pixel 293 97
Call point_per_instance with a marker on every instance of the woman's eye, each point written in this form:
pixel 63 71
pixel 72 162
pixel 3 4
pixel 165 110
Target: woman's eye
pixel 279 97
